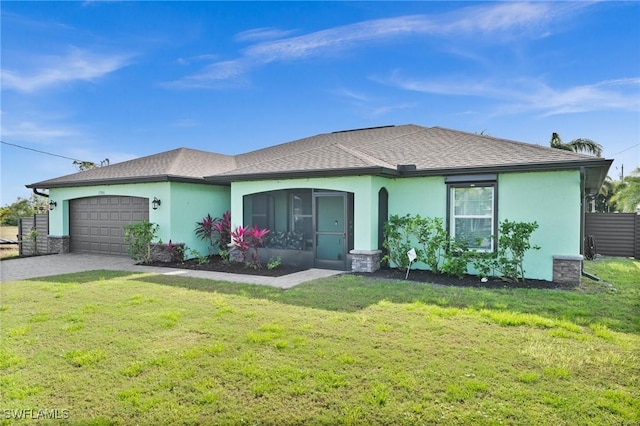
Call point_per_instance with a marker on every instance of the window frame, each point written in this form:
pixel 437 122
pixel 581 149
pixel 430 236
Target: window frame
pixel 470 183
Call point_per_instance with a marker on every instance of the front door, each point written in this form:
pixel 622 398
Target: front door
pixel 330 230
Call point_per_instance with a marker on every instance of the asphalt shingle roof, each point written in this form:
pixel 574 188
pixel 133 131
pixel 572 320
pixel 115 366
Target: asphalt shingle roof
pixel 381 148
pixel 185 163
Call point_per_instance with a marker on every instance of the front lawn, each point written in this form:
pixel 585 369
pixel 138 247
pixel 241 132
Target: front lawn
pixel 112 347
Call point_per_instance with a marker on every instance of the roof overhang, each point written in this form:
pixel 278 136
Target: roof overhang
pixel 595 172
pixel 297 174
pixel 118 181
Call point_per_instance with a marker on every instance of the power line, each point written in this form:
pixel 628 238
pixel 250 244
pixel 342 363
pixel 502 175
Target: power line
pixel 41 152
pixel 625 150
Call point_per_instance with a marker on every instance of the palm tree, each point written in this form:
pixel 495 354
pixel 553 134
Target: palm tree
pixel 603 203
pixel 577 145
pixel 627 194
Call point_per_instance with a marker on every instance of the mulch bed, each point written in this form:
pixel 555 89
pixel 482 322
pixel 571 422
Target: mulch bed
pixel 466 281
pixel 217 265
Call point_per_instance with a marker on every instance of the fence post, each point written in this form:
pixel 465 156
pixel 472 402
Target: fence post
pixel 636 251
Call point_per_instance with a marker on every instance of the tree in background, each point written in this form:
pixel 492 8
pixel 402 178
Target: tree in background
pixel 22 207
pixel 627 193
pixel 603 202
pixel 581 145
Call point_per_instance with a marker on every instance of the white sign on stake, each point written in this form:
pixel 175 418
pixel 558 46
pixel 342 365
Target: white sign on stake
pixel 411 254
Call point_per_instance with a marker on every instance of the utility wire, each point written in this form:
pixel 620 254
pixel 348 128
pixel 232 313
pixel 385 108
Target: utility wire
pixel 41 152
pixel 625 150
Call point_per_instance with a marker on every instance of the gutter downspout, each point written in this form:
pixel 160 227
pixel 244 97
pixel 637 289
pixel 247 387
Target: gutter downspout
pixel 35 191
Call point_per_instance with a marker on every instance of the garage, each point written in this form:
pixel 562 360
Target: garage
pixel 95 223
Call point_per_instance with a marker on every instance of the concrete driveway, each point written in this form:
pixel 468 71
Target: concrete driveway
pixel 56 264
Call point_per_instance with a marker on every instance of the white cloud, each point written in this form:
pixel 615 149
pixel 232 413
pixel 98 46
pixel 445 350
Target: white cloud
pixel 32 131
pixel 217 75
pixel 499 19
pixel 197 58
pixel 259 34
pixel 76 65
pixel 531 95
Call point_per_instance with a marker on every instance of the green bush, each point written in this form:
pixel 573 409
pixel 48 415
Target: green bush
pixel 398 232
pixel 139 237
pixel 513 243
pixel 436 249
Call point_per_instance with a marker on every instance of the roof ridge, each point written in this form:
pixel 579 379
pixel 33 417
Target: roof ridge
pixel 511 141
pixel 365 157
pixel 175 161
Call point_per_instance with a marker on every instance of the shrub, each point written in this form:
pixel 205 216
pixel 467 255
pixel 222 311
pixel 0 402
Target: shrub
pixel 456 258
pixel 432 238
pixel 217 232
pixel 246 241
pixel 204 230
pixel 138 237
pixel 274 263
pixel 442 254
pixel 513 243
pixel 397 241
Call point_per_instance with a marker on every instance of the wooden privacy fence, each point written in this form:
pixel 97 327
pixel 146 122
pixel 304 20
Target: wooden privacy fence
pixel 615 234
pixel 33 234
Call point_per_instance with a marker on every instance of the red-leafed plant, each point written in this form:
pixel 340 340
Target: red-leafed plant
pixel 222 227
pixel 205 230
pixel 247 241
pixel 216 231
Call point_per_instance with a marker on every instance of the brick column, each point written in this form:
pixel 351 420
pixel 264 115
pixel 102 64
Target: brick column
pixel 58 244
pixel 365 260
pixel 567 269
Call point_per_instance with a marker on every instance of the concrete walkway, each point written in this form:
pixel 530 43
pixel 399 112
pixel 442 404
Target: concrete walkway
pixel 56 264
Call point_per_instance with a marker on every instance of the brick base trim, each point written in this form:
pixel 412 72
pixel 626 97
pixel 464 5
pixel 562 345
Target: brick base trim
pixel 58 244
pixel 365 260
pixel 567 269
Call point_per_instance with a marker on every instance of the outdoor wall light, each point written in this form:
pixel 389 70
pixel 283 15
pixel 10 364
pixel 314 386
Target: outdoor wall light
pixel 155 203
pixel 52 204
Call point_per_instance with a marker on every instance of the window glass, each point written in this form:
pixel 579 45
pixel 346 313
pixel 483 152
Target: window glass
pixel 472 216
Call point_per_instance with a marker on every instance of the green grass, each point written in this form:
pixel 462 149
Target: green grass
pixel 118 348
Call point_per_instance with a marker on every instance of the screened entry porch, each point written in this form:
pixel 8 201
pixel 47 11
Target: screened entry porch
pixel 309 227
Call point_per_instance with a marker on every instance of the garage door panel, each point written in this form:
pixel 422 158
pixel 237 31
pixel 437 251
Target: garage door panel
pixel 96 222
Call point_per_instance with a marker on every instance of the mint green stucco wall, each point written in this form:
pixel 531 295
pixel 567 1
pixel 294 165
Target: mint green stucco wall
pixel 553 200
pixel 183 204
pixel 189 204
pixel 550 198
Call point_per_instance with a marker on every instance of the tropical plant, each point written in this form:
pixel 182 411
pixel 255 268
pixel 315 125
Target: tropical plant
pixel 217 232
pixel 222 231
pixel 603 200
pixel 582 145
pixel 138 237
pixel 205 230
pixel 627 194
pixel 246 242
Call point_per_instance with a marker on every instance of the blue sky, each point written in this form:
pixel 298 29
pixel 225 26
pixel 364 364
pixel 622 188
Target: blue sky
pixel 119 80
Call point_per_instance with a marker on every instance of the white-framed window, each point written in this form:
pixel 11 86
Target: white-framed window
pixel 472 215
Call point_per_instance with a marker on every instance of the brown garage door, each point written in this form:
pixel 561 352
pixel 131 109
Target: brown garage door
pixel 95 223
